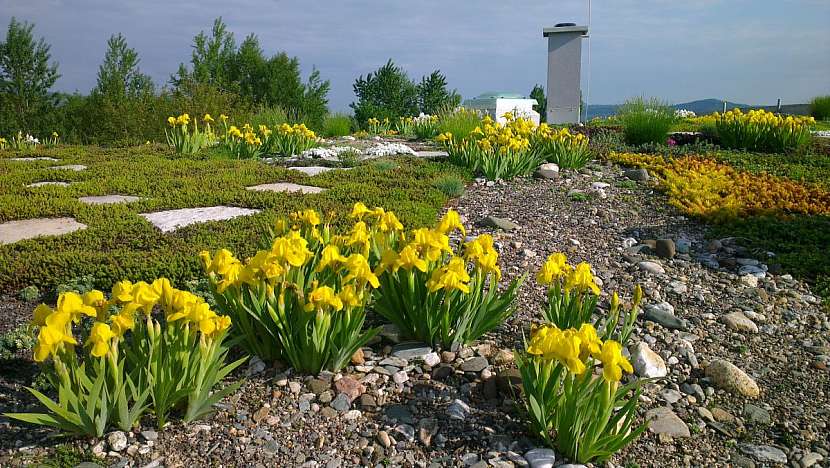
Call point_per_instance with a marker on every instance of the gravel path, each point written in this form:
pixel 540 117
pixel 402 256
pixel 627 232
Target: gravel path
pixel 410 407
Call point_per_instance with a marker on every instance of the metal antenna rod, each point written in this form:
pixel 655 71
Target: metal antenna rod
pixel 588 82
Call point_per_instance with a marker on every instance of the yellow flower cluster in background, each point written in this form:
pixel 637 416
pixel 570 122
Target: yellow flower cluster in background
pixel 515 148
pixel 578 349
pixel 185 139
pixel 703 187
pixel 759 130
pixel 297 129
pixel 762 117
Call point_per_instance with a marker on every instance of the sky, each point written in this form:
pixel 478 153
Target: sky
pixel 746 51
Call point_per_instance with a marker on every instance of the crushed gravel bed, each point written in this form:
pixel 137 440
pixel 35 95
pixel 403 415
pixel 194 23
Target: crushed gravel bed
pixel 707 300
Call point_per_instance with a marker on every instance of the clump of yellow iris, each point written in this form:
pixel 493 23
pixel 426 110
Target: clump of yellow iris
pixel 557 270
pixel 436 288
pixel 127 299
pixel 760 130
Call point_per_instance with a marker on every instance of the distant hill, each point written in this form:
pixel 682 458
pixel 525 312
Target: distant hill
pixel 701 107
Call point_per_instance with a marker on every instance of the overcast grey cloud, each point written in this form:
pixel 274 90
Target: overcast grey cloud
pixel 751 51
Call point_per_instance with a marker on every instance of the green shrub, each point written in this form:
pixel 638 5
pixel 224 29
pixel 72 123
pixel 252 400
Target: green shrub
pixel 645 121
pixel 451 186
pixel 433 95
pixel 460 122
pixel 336 125
pixel 15 342
pixel 820 108
pixel 29 293
pixel 271 117
pixel 386 93
pixel 349 158
pixel 384 165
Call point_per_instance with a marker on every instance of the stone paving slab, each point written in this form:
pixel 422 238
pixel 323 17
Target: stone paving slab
pixel 171 220
pixel 286 187
pixel 13 231
pixel 431 154
pixel 41 158
pixel 312 170
pixel 108 199
pixel 48 183
pixel 70 167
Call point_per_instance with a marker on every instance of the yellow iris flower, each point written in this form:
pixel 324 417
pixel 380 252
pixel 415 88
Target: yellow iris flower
pixel 322 298
pixel 359 210
pixel 408 259
pixel 73 304
pixel 99 339
pixel 330 258
pixel 582 280
pixel 613 362
pixel 359 270
pixel 451 276
pixel 449 222
pixel 554 268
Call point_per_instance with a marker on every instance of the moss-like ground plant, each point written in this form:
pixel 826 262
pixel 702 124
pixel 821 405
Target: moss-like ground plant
pixel 118 243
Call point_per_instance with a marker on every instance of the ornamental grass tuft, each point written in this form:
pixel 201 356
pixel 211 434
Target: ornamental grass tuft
pixel 645 120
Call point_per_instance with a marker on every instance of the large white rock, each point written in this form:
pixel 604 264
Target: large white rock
pixel 431 154
pixel 70 167
pixel 13 231
pixel 285 187
pixel 389 149
pixel 647 363
pixel 167 221
pixel 42 158
pixel 108 199
pixel 327 154
pixel 312 170
pixel 48 183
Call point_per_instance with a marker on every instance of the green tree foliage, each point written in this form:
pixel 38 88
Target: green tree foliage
pixel 389 93
pixel 120 109
pixel 538 93
pixel 385 93
pixel 264 81
pixel 26 78
pixel 119 77
pixel 212 58
pixel 433 95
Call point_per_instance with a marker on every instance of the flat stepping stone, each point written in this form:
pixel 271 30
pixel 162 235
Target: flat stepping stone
pixel 70 167
pixel 171 220
pixel 13 231
pixel 108 199
pixel 48 183
pixel 42 158
pixel 431 154
pixel 286 187
pixel 312 170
